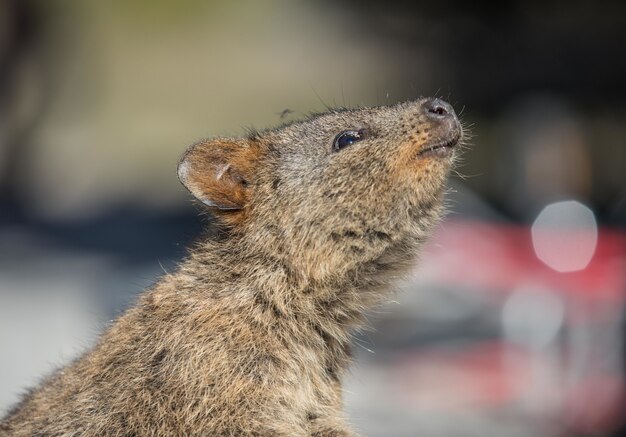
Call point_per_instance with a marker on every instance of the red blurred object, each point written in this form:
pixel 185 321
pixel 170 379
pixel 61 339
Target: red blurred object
pixel 500 257
pixel 583 389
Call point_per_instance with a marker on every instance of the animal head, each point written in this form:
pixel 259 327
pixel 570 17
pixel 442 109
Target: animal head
pixel 332 191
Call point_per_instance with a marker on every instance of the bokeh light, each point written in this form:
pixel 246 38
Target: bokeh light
pixel 532 317
pixel 565 235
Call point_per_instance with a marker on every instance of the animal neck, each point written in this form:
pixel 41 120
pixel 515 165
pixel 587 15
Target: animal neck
pixel 252 279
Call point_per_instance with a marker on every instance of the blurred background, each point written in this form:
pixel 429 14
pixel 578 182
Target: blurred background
pixel 513 324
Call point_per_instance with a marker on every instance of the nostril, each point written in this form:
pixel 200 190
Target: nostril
pixel 437 109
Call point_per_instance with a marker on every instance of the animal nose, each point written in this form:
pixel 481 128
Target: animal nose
pixel 437 109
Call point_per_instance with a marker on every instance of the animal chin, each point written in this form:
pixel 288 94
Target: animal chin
pixel 440 149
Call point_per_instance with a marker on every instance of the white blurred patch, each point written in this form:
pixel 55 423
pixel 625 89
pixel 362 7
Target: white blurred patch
pixel 565 235
pixel 532 317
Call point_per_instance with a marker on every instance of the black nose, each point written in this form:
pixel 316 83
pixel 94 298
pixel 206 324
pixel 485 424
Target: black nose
pixel 437 108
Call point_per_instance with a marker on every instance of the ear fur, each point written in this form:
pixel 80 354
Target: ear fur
pixel 217 172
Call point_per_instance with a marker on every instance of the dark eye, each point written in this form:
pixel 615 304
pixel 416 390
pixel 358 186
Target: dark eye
pixel 344 139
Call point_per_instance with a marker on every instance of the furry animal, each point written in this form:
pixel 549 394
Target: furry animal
pixel 250 336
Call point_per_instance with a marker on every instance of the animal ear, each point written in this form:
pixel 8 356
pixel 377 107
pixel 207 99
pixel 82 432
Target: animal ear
pixel 217 172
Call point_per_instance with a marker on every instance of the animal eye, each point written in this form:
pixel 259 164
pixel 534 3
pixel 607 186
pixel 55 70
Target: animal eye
pixel 344 139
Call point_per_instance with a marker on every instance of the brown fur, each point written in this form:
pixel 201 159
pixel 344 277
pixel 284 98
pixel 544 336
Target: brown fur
pixel 251 335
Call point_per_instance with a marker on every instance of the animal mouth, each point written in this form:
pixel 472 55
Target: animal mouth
pixel 440 149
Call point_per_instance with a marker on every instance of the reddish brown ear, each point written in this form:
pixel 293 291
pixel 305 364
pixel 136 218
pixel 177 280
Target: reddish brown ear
pixel 217 172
